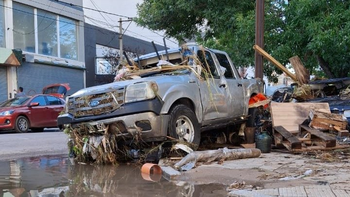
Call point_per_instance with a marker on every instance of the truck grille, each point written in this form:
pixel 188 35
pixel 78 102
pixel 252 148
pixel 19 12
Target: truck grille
pixel 96 104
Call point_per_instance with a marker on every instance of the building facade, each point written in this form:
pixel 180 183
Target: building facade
pixel 102 48
pixel 50 36
pixel 56 46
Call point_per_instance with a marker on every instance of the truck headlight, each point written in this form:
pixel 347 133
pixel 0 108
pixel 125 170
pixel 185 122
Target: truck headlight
pixel 140 91
pixel 6 113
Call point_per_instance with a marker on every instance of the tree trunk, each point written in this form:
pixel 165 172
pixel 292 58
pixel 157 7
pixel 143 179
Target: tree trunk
pixel 325 67
pixel 217 155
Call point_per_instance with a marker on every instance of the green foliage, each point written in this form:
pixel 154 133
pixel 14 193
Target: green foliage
pixel 313 30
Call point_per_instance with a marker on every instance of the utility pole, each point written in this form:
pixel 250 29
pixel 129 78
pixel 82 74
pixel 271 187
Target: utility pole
pixel 120 40
pixel 121 37
pixel 259 37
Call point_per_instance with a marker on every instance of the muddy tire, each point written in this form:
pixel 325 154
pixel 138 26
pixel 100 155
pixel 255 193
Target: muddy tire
pixel 22 124
pixel 184 126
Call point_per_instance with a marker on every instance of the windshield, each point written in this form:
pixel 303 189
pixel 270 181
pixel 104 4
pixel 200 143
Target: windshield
pixel 14 102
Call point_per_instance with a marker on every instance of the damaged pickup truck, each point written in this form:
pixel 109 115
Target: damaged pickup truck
pixel 193 89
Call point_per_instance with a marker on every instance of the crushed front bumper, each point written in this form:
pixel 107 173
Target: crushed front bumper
pixel 151 126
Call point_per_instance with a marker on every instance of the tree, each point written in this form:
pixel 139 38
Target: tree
pixel 316 31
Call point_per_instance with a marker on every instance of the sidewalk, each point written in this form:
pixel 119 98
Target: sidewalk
pixel 299 191
pixel 277 174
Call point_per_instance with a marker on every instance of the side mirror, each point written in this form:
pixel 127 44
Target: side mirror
pixel 34 104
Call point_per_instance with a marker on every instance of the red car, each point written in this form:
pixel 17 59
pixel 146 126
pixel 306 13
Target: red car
pixel 30 112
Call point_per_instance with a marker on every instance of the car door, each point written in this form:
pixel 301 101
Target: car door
pixel 236 102
pixel 39 112
pixel 55 106
pixel 214 97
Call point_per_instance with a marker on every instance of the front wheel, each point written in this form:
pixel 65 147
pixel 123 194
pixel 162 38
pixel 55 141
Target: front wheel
pixel 184 125
pixel 22 124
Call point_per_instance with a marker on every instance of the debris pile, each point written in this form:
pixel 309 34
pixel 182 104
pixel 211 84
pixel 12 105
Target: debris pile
pixel 303 127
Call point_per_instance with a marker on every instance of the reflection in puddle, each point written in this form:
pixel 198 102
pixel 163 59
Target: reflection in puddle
pixel 57 176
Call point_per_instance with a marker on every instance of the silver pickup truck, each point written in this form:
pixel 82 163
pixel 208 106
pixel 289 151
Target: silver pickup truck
pixel 198 90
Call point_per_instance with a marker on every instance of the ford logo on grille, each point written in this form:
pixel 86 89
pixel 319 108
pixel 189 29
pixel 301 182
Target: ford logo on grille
pixel 94 103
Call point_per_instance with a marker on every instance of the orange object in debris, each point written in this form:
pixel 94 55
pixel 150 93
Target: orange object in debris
pixel 258 97
pixel 151 172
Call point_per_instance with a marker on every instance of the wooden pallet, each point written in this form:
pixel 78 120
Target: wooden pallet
pixel 291 115
pixel 288 131
pixel 308 139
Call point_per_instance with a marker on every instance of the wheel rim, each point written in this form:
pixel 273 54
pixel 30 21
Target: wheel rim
pixel 184 129
pixel 22 124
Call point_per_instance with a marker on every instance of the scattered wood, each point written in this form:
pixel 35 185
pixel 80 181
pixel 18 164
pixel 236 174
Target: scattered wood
pixel 302 74
pixel 319 137
pixel 291 115
pixel 287 139
pixel 287 116
pixel 218 155
pixel 326 121
pixel 341 132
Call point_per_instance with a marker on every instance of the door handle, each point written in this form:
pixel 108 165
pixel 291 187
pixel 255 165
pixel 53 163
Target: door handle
pixel 239 85
pixel 222 86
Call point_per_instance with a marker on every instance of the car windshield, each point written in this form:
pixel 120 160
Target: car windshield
pixel 14 102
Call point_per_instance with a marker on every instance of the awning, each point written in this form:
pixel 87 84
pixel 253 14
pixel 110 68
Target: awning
pixel 9 57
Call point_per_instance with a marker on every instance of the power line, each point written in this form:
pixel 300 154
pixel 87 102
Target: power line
pixel 74 5
pixel 93 3
pixel 100 11
pixel 86 17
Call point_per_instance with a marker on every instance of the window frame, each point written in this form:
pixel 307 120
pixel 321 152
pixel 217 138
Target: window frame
pixel 58 43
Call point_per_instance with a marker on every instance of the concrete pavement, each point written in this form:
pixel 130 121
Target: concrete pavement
pixel 18 145
pixel 277 174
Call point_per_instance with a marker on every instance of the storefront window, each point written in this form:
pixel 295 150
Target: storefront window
pixel 47 33
pixel 68 38
pixel 52 41
pixel 23 27
pixel 2 24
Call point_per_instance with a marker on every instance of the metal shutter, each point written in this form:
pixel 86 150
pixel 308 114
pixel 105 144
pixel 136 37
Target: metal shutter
pixel 33 77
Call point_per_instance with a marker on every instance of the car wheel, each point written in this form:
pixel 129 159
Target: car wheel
pixel 184 125
pixel 22 124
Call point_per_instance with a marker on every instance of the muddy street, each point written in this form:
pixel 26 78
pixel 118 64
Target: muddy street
pixel 38 165
pixel 57 176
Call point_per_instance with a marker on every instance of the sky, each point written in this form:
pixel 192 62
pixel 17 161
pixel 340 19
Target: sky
pixel 97 13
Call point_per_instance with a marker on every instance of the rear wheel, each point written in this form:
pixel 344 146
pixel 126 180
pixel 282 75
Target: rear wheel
pixel 184 125
pixel 22 124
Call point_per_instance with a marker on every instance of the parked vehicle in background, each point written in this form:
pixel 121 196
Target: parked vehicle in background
pixel 33 112
pixel 58 89
pixel 196 89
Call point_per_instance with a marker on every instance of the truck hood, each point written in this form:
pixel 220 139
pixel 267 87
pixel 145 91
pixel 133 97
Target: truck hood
pixel 159 79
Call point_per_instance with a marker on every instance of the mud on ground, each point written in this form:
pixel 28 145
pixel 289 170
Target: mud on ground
pixel 275 170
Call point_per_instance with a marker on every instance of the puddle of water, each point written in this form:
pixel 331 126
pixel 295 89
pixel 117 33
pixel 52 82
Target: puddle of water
pixel 57 176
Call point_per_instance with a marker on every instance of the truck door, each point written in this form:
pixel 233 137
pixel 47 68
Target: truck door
pixel 236 100
pixel 213 96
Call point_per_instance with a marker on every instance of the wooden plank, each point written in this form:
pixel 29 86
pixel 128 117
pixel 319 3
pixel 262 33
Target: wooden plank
pixel 321 148
pixel 319 137
pixel 274 61
pixel 325 120
pixel 290 115
pixel 302 74
pixel 289 140
pixel 341 132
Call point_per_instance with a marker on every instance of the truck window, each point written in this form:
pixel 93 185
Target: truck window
pixel 208 63
pixel 222 58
